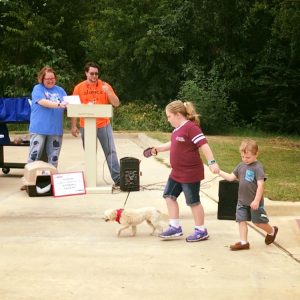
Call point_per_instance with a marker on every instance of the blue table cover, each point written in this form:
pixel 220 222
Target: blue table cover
pixel 15 110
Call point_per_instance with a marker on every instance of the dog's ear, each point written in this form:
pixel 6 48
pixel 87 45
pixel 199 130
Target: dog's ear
pixel 113 215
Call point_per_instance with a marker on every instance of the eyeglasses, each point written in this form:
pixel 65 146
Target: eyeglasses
pixel 48 79
pixel 94 73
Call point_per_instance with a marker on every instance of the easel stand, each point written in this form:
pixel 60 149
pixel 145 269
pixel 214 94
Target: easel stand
pixel 90 113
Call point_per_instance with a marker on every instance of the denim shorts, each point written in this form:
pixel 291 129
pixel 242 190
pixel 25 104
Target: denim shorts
pixel 245 213
pixel 191 191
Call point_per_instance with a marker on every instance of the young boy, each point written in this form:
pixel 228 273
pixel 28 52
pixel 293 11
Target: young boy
pixel 250 206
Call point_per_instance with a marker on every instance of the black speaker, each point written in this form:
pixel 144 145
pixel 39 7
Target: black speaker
pixel 130 174
pixel 228 197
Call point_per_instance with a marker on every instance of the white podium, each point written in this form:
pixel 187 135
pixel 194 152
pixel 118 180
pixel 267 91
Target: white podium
pixel 90 112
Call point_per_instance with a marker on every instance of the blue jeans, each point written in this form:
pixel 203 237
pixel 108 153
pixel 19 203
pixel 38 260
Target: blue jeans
pixel 105 137
pixel 190 190
pixel 51 143
pixel 245 213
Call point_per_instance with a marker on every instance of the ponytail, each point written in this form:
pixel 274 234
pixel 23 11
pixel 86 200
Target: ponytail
pixel 187 109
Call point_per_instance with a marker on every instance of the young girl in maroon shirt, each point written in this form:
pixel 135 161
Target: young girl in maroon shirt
pixel 187 168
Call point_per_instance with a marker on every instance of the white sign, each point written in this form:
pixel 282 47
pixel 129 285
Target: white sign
pixel 72 99
pixel 68 184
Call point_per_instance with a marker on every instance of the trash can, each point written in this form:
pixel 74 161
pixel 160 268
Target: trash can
pixel 228 197
pixel 130 174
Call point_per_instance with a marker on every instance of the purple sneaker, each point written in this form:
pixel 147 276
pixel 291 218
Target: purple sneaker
pixel 171 232
pixel 198 235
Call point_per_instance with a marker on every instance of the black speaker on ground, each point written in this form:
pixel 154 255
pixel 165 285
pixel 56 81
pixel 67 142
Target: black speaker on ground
pixel 228 197
pixel 130 174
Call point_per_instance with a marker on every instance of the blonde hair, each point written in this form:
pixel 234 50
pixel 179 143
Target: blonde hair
pixel 187 109
pixel 249 145
pixel 42 73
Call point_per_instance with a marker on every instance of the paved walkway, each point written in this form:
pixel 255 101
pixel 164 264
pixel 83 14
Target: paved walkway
pixel 60 248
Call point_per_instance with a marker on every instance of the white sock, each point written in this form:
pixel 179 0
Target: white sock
pixel 243 242
pixel 174 223
pixel 201 228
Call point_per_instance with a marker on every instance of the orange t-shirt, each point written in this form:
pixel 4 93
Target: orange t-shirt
pixel 93 93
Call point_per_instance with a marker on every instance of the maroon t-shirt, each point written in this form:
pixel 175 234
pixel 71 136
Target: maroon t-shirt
pixel 186 163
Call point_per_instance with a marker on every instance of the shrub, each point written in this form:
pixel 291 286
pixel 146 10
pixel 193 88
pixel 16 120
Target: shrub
pixel 211 101
pixel 140 116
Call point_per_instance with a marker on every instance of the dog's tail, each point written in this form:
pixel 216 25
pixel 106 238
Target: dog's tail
pixel 163 216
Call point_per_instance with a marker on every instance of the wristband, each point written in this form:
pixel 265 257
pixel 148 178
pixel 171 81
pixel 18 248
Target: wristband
pixel 58 104
pixel 211 162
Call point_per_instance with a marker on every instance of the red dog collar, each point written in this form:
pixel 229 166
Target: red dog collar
pixel 119 214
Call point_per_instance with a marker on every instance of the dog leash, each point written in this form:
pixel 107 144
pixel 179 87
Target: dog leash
pixel 126 200
pixel 147 153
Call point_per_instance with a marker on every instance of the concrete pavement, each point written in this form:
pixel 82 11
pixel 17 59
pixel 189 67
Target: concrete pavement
pixel 60 248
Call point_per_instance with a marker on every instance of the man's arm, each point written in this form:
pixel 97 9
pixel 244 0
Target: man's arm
pixel 112 97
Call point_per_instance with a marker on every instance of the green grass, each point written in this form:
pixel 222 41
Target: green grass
pixel 279 155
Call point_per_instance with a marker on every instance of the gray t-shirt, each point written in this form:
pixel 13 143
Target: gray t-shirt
pixel 248 176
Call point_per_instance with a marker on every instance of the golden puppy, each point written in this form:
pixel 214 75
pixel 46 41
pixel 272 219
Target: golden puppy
pixel 132 217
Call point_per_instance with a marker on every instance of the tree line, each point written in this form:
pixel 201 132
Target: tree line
pixel 237 60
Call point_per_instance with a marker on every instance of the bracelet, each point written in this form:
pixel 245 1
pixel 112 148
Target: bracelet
pixel 211 162
pixel 58 104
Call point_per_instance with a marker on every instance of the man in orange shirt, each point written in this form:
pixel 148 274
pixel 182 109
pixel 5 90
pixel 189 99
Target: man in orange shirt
pixel 95 91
